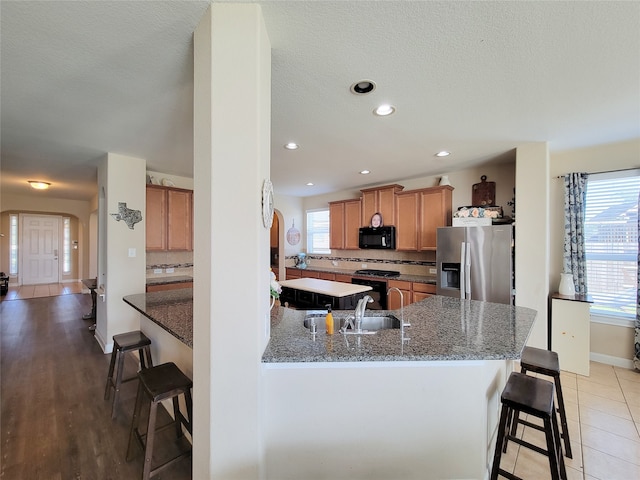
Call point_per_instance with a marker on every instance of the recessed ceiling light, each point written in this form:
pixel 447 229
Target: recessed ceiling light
pixel 291 146
pixel 363 87
pixel 365 172
pixel 443 153
pixel 384 110
pixel 309 184
pixel 38 185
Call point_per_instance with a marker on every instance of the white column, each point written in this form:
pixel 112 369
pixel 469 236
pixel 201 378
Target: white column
pixel 532 235
pixel 121 250
pixel 232 84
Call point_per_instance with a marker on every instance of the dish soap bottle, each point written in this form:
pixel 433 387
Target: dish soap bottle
pixel 329 320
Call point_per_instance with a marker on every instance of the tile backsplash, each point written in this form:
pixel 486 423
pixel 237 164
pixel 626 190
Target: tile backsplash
pixel 407 263
pixel 180 262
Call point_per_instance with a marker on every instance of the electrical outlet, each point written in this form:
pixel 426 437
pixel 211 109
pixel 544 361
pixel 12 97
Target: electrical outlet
pixel 170 270
pixel 363 265
pixel 157 270
pixel 433 271
pixel 334 263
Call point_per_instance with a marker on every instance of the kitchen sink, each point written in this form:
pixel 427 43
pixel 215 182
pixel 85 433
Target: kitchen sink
pixel 370 323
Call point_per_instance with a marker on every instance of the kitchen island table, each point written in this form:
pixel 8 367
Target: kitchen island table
pixel 317 293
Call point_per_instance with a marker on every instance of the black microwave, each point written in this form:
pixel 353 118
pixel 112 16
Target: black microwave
pixel 380 237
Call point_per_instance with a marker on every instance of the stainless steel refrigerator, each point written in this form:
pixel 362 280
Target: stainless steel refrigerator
pixel 475 263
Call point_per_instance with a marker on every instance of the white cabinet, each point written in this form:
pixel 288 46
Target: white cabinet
pixel 571 332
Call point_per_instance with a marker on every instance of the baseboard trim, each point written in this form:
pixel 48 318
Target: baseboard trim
pixel 611 360
pixel 106 347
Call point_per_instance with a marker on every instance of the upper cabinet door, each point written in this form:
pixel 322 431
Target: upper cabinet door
pixel 155 224
pixel 382 200
pixel 180 220
pixel 169 222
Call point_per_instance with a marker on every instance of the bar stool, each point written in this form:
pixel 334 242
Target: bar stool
pixel 123 343
pixel 160 383
pixel 546 363
pixel 535 397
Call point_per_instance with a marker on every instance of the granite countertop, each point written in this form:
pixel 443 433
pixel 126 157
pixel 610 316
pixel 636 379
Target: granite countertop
pixel 172 310
pixel 168 280
pixel 442 328
pixel 325 287
pixel 343 271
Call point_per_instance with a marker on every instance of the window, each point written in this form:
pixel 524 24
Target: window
pixel 611 242
pixel 66 245
pixel 318 231
pixel 13 244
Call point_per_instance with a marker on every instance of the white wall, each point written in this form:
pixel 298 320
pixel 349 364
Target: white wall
pixel 232 117
pixel 293 213
pixel 122 179
pixel 532 235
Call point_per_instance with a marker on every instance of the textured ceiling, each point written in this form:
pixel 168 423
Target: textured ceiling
pixel 477 78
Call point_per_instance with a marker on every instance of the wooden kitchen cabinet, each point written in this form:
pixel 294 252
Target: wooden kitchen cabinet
pixel 168 286
pixel 419 214
pixel 380 199
pixel 343 278
pixel 293 273
pixel 155 223
pixel 169 222
pixel 309 274
pixel 393 299
pixel 420 291
pixel 412 292
pixel 327 276
pixel 344 223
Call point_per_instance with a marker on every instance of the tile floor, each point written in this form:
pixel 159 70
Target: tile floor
pixel 45 290
pixel 603 412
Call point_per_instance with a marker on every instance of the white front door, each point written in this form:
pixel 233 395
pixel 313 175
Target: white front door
pixel 40 235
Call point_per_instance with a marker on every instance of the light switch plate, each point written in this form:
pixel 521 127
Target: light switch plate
pixel 433 271
pixel 170 270
pixel 132 252
pixel 157 270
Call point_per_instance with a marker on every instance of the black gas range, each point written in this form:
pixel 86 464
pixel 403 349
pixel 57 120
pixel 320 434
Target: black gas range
pixel 370 272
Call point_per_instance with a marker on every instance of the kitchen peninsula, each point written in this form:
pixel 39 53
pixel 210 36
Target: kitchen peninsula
pixel 372 406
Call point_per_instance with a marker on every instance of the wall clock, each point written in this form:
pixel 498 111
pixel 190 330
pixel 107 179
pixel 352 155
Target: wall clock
pixel 267 203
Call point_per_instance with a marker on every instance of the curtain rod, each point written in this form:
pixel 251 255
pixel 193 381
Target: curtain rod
pixel 606 171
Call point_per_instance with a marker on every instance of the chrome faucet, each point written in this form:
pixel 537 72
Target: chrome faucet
pixel 360 309
pixel 402 324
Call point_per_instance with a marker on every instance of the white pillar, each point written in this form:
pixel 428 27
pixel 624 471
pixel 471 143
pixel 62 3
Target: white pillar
pixel 121 250
pixel 532 235
pixel 232 85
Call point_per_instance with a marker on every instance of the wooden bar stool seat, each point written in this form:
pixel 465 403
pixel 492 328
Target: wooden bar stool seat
pixel 545 362
pixel 160 383
pixel 123 343
pixel 532 396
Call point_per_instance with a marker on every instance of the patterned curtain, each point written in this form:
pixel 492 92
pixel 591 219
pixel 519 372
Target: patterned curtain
pixel 636 359
pixel 574 259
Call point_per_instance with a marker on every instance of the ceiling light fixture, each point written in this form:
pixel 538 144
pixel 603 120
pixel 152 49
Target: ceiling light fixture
pixel 365 172
pixel 384 110
pixel 38 185
pixel 363 87
pixel 309 184
pixel 443 153
pixel 291 146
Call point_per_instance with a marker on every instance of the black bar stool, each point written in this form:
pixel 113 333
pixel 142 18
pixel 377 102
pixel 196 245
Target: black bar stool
pixel 123 343
pixel 546 363
pixel 532 396
pixel 160 383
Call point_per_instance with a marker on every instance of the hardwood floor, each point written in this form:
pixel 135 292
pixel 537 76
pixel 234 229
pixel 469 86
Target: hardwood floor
pixel 55 423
